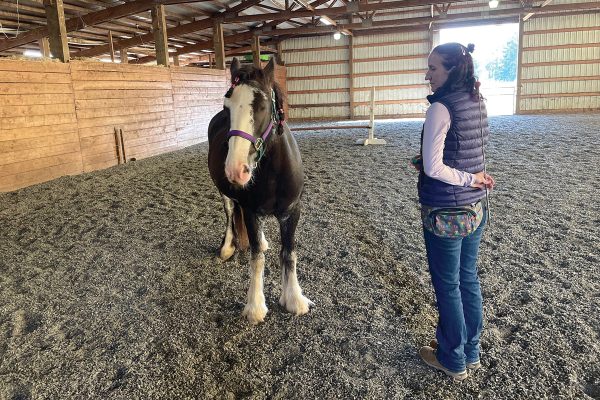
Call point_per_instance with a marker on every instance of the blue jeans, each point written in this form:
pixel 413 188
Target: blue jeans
pixel 453 268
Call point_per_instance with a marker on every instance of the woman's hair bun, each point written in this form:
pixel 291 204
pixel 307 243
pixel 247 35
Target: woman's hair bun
pixel 470 47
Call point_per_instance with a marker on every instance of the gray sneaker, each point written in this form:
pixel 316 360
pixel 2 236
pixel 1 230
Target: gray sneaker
pixel 428 356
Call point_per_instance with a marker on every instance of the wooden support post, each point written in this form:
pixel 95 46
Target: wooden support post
pixel 219 45
pixel 256 51
pixel 159 27
pixel 280 53
pixel 111 46
pixel 55 17
pixel 123 56
pixel 176 60
pixel 45 47
pixel 519 66
pixel 351 81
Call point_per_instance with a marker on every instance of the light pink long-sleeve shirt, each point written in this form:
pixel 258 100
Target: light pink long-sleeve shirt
pixel 437 124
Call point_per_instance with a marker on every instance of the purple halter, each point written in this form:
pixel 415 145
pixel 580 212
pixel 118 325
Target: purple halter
pixel 259 142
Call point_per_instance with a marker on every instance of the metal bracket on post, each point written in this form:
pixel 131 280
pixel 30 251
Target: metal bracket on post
pixel 371 139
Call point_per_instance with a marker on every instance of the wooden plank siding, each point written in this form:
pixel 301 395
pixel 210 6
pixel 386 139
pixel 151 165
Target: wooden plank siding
pixel 99 113
pixel 197 97
pixel 38 124
pixel 59 119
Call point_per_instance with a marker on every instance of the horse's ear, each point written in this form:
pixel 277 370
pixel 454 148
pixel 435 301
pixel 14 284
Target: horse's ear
pixel 269 70
pixel 235 66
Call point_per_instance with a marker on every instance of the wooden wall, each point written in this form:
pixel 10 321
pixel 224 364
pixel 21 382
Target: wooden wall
pixel 38 126
pixel 59 119
pixel 136 99
pixel 197 96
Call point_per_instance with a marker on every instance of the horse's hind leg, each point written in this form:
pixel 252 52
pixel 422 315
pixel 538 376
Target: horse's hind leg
pixel 291 294
pixel 227 245
pixel 255 309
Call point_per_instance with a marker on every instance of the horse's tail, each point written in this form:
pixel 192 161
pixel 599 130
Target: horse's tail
pixel 239 228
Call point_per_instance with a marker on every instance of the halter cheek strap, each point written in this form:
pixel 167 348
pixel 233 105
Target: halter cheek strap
pixel 258 143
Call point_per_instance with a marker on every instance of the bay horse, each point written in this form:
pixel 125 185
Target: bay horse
pixel 256 165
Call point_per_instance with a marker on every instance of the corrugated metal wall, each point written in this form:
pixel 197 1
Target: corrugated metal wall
pixel 395 64
pixel 560 65
pixel 319 78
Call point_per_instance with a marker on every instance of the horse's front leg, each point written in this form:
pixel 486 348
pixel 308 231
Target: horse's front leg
pixel 291 294
pixel 255 309
pixel 227 245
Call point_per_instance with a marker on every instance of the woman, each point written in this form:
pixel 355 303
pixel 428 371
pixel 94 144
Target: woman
pixel 452 185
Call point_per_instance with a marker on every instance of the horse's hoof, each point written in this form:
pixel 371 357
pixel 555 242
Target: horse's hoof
pixel 226 252
pixel 255 313
pixel 299 305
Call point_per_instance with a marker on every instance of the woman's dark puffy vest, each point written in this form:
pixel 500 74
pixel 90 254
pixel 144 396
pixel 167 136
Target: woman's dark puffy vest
pixel 463 150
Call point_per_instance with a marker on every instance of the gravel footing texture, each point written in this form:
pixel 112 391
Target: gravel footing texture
pixel 110 287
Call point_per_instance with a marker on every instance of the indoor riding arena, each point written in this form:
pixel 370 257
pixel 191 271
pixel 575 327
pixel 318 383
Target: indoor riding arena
pixel 112 283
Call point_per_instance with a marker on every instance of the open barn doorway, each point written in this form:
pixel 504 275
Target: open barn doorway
pixel 495 56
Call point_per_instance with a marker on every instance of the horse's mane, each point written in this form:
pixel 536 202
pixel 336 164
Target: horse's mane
pixel 253 76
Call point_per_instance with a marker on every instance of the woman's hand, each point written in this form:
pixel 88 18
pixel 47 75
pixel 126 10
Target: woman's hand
pixel 482 181
pixel 417 162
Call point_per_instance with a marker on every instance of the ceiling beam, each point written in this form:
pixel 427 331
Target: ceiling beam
pixel 93 18
pixel 353 7
pixel 416 21
pixel 175 31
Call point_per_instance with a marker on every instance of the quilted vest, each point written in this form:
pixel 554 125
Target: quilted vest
pixel 463 150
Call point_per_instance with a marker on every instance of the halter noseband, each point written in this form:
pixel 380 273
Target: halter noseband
pixel 257 142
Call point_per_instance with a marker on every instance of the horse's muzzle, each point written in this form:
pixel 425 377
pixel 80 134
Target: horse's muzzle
pixel 239 175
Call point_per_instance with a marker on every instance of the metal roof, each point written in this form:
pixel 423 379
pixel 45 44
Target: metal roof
pixel 190 22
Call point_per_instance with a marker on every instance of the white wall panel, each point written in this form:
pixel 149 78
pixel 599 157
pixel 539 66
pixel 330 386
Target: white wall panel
pixel 392 94
pixel 320 113
pixel 313 84
pixel 319 98
pixel 312 42
pixel 555 71
pixel 565 21
pixel 561 103
pixel 587 86
pixel 386 66
pixel 394 50
pixel 578 45
pixel 397 37
pixel 592 53
pixel 318 70
pixel 392 110
pixel 315 56
pixel 389 80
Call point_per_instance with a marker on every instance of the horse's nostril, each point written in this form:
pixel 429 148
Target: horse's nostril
pixel 246 169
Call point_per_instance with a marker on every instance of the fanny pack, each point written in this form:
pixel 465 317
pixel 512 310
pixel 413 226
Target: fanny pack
pixel 452 222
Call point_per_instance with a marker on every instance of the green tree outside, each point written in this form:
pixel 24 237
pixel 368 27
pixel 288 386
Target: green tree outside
pixel 505 68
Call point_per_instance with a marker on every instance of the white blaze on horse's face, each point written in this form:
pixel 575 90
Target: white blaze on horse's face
pixel 239 164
